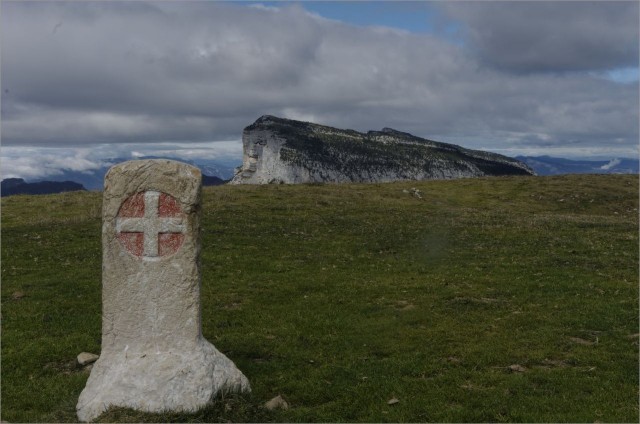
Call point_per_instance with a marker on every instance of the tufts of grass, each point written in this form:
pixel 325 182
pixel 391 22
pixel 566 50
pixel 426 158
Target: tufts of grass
pixel 497 299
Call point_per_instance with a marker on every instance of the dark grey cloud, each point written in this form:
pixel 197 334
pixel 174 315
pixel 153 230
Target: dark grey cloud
pixel 550 36
pixel 90 73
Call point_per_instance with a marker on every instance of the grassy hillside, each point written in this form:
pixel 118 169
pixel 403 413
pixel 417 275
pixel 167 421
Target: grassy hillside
pixel 497 299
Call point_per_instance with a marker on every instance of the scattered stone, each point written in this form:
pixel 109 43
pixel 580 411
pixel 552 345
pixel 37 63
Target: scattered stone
pixel 403 305
pixel 555 363
pixel 277 403
pixel 154 357
pixel 86 358
pixel 474 300
pixel 17 295
pixel 517 368
pixel 393 401
pixel 580 341
pixel 489 300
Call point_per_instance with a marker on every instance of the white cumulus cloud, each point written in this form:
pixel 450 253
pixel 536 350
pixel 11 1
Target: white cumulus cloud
pixel 612 164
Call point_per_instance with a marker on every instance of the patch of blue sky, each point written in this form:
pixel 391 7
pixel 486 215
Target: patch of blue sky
pixel 417 17
pixel 623 75
pixel 408 16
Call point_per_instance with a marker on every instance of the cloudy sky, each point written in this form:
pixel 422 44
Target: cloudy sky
pixel 85 81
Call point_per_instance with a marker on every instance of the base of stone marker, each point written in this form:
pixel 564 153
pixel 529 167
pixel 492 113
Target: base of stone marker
pixel 180 381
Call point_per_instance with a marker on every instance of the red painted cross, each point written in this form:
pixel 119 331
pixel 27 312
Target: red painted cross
pixel 151 225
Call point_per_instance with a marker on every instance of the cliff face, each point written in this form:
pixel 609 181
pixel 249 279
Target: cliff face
pixel 278 150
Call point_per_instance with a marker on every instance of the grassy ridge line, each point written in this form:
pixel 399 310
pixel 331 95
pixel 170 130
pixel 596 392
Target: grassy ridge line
pixel 340 297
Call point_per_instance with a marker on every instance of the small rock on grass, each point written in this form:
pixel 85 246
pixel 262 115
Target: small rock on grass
pixel 17 295
pixel 583 342
pixel 86 358
pixel 393 401
pixel 277 403
pixel 517 368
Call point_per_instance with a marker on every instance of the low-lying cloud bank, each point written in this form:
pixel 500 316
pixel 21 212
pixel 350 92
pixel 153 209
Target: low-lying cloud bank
pixel 34 163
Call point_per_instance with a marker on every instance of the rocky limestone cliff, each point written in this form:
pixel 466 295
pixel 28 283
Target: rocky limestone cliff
pixel 278 150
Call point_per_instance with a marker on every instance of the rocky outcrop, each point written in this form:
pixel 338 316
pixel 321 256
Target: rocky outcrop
pixel 278 150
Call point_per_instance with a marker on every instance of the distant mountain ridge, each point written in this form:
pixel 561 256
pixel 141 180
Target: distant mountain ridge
pixel 94 179
pixel 212 181
pixel 547 165
pixel 278 150
pixel 11 186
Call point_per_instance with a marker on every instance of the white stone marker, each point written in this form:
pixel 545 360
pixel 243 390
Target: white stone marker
pixel 154 357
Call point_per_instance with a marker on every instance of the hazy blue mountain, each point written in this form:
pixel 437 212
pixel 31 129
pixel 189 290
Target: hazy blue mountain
pixel 91 180
pixel 12 186
pixel 547 165
pixel 217 172
pixel 212 181
pixel 94 179
pixel 223 169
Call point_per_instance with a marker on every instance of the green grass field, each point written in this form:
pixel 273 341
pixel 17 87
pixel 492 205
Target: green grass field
pixel 495 299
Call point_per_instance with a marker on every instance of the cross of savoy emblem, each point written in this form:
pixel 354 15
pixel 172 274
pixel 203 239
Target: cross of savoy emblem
pixel 151 225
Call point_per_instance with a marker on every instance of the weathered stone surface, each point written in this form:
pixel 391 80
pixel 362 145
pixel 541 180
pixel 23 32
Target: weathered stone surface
pixel 154 357
pixel 86 358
